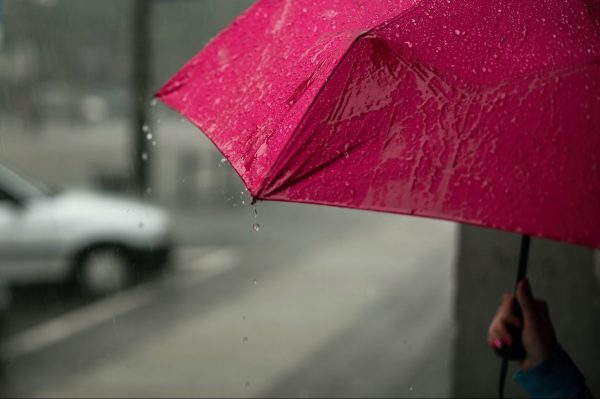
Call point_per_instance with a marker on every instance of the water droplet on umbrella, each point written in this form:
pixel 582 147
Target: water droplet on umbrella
pixel 256 227
pixel 456 31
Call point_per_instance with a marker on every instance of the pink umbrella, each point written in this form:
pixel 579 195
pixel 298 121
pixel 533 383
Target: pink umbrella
pixel 477 111
pixel 474 111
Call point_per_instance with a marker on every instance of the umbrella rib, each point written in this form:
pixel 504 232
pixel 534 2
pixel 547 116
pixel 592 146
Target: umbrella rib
pixel 317 169
pixel 277 167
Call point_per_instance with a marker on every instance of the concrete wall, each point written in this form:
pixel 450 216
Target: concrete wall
pixel 566 276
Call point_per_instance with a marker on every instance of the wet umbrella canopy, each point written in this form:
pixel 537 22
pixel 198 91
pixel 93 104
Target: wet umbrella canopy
pixel 474 111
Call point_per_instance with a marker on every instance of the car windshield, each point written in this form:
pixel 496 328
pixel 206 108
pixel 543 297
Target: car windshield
pixel 18 186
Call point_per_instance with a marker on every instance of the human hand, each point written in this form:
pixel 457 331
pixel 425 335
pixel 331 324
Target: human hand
pixel 537 333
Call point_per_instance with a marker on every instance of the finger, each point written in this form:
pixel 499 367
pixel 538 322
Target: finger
pixel 498 335
pixel 506 307
pixel 526 300
pixel 512 319
pixel 542 311
pixel 542 307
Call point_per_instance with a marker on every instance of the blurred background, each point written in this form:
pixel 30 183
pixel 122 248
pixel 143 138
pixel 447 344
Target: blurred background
pixel 132 263
pixel 131 260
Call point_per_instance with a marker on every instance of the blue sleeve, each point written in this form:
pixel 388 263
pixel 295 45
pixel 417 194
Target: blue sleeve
pixel 555 377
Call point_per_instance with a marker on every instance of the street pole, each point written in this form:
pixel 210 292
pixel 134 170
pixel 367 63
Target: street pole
pixel 141 50
pixel 1 23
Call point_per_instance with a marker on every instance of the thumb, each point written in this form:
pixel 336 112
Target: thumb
pixel 525 298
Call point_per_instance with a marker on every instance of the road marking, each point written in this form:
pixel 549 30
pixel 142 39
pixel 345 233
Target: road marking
pixel 210 263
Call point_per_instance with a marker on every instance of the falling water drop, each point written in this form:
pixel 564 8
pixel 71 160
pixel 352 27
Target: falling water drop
pixel 149 136
pixel 145 128
pixel 154 102
pixel 254 211
pixel 144 156
pixel 256 227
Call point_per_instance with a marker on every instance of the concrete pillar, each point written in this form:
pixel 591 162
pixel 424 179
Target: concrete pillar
pixel 566 276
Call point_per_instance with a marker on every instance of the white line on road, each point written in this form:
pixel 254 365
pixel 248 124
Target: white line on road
pixel 198 269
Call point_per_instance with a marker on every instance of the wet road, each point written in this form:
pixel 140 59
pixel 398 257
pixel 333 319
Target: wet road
pixel 319 302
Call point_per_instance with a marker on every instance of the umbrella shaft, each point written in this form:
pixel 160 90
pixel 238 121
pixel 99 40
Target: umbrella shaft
pixel 522 270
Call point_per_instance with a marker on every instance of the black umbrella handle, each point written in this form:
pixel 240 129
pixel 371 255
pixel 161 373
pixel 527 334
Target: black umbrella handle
pixel 516 351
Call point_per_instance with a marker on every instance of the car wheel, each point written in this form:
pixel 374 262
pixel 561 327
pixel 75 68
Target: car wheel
pixel 104 270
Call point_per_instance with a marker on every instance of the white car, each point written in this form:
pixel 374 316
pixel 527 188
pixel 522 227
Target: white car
pixel 101 242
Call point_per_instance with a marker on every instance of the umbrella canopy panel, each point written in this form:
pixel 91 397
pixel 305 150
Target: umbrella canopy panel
pixel 474 111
